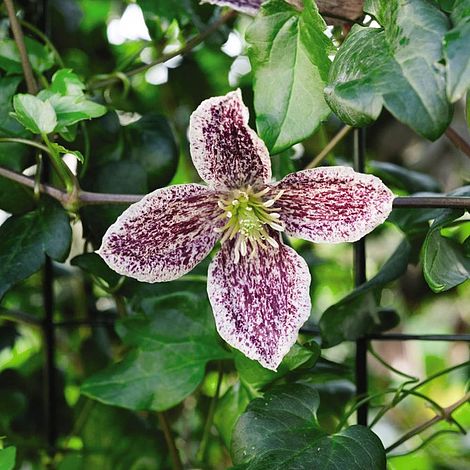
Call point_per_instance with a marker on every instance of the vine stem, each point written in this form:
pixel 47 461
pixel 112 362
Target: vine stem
pixel 458 140
pixel 446 415
pixel 87 198
pixel 175 456
pixel 19 39
pixel 201 454
pixel 343 132
pixel 190 45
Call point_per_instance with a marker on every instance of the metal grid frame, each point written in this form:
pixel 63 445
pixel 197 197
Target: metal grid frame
pixel 359 251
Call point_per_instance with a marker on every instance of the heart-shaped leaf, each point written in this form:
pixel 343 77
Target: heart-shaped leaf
pixel 281 431
pixel 171 346
pixel 397 67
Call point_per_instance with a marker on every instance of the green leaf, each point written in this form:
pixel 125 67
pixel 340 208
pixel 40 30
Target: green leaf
pixel 15 198
pixel 61 149
pixel 376 68
pixel 95 265
pixel 171 346
pixel 36 115
pixel 281 431
pixel 151 143
pixel 456 51
pixel 229 408
pixel 66 83
pixel 254 376
pixel 445 261
pixel 403 178
pixel 25 241
pixel 40 57
pixel 358 313
pixel 7 458
pixel 289 55
pixel 72 109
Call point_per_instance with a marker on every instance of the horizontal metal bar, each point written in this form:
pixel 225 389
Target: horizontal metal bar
pixel 425 202
pixel 406 337
pixel 91 323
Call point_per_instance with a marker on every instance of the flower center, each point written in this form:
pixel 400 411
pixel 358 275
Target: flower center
pixel 250 216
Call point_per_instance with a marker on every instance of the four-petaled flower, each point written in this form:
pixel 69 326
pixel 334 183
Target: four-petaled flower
pixel 258 286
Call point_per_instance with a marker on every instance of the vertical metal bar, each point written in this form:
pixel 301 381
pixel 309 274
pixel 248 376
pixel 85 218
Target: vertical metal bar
pixel 49 360
pixel 360 278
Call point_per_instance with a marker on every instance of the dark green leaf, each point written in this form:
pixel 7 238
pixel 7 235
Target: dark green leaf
pixel 171 347
pixel 358 313
pixel 15 198
pixel 152 144
pixel 40 57
pixel 7 458
pixel 281 431
pixel 25 241
pixel 403 178
pixel 289 55
pixel 253 375
pixel 456 51
pixel 120 440
pixel 36 115
pixel 229 408
pixel 124 177
pixel 376 68
pixel 445 263
pixel 95 265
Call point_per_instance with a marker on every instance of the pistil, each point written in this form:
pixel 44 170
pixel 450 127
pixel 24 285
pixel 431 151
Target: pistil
pixel 251 216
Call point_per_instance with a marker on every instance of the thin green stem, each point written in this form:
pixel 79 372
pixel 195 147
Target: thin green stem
pixel 329 147
pixel 175 456
pixel 19 317
pixel 190 45
pixel 31 143
pixel 405 393
pixel 45 40
pixel 389 367
pixel 201 454
pixel 445 416
pixel 424 443
pixel 61 168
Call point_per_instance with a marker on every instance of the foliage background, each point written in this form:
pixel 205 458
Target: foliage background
pixel 129 156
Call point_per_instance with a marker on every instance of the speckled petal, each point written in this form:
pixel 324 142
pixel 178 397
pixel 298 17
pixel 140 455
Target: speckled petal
pixel 333 204
pixel 260 303
pixel 226 152
pixel 250 7
pixel 164 235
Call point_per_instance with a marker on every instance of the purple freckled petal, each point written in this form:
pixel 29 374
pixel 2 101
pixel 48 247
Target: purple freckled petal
pixel 164 235
pixel 225 151
pixel 250 7
pixel 333 204
pixel 260 304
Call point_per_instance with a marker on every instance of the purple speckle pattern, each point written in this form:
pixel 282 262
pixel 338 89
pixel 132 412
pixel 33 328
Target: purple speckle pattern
pixel 250 7
pixel 226 152
pixel 260 303
pixel 163 236
pixel 333 204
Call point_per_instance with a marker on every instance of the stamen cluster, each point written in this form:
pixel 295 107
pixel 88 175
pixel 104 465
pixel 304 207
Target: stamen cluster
pixel 251 215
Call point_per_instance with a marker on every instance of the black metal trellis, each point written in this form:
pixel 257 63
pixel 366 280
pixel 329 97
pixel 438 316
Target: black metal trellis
pixel 359 157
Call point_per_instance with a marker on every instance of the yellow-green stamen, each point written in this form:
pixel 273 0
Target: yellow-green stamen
pixel 250 216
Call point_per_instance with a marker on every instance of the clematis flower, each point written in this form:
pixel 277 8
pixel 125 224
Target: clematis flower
pixel 258 287
pixel 249 7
